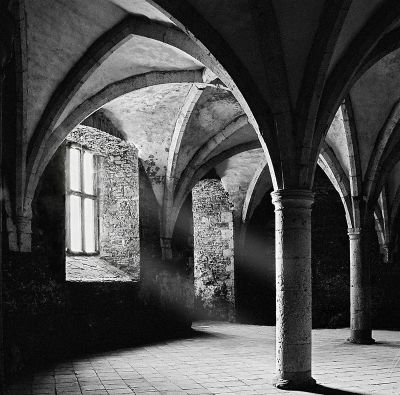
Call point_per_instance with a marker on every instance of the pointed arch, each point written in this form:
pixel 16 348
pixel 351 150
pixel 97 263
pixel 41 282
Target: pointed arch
pixel 183 188
pixel 350 128
pixel 95 102
pixel 330 165
pixel 345 73
pixel 170 35
pixel 385 144
pixel 180 127
pixel 319 58
pixel 260 180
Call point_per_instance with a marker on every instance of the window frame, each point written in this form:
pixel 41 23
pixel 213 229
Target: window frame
pixel 82 195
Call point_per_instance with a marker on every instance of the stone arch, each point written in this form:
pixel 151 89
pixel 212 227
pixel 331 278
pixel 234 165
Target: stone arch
pixel 267 29
pixel 95 102
pixel 384 142
pixel 328 163
pixel 171 195
pixel 184 187
pixel 355 174
pixel 173 155
pixel 332 168
pixel 383 203
pixel 347 70
pixel 382 225
pixel 101 50
pixel 250 201
pixel 388 161
pixel 308 102
pixel 254 194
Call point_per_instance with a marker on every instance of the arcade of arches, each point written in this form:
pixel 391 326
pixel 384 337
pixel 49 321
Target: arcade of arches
pixel 244 165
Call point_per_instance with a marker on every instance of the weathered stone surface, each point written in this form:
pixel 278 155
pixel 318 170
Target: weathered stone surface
pixel 213 250
pixel 48 317
pixel 93 269
pixel 293 287
pixel 118 197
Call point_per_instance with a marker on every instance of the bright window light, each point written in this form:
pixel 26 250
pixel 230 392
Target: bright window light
pixel 90 242
pixel 88 172
pixel 75 169
pixel 75 222
pixel 82 214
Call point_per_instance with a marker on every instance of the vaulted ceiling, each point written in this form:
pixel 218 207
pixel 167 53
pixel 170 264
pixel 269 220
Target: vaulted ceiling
pixel 195 84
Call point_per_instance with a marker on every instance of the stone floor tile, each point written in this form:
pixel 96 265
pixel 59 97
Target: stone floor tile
pixel 235 359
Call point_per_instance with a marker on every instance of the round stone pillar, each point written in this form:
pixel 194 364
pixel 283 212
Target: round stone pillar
pixel 360 289
pixel 166 248
pixel 293 288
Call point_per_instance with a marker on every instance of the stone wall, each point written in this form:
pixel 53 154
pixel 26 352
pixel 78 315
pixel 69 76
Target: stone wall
pixel 118 197
pixel 100 120
pixel 48 318
pixel 213 251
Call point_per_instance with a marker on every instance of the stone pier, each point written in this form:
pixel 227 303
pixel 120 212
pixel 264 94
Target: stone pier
pixel 293 288
pixel 360 299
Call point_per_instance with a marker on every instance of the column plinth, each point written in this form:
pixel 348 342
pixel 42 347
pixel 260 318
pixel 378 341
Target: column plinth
pixel 360 299
pixel 293 288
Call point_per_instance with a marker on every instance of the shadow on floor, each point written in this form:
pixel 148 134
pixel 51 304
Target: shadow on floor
pixel 81 354
pixel 321 389
pixel 390 344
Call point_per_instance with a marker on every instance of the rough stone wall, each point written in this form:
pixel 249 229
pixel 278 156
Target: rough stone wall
pixel 213 250
pixel 101 121
pixel 49 318
pixel 118 197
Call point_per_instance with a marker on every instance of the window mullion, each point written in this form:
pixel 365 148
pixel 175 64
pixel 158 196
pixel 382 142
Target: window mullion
pixel 82 201
pixel 68 205
pixel 96 202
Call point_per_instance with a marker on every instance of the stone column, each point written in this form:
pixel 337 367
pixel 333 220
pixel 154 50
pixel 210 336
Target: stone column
pixel 293 288
pixel 360 298
pixel 166 248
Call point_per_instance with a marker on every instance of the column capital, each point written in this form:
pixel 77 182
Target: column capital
pixel 292 198
pixel 354 233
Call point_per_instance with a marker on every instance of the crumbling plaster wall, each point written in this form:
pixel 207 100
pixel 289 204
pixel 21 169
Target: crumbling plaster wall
pixel 213 250
pixel 118 190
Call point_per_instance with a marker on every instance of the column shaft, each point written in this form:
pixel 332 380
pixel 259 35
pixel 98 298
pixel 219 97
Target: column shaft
pixel 166 248
pixel 293 287
pixel 360 289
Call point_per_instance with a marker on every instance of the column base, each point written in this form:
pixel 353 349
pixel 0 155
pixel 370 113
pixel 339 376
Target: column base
pixel 360 337
pixel 301 383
